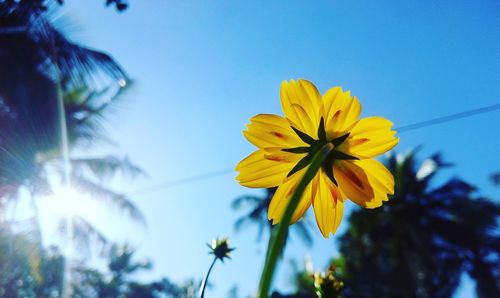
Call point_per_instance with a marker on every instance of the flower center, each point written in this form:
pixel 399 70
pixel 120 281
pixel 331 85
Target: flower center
pixel 315 146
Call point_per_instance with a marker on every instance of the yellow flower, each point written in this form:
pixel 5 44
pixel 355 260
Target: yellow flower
pixel 287 144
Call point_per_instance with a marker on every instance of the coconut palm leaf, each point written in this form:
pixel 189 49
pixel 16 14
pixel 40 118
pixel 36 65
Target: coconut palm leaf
pixel 256 214
pixel 106 167
pixel 119 201
pixel 495 178
pixel 85 235
pixel 57 57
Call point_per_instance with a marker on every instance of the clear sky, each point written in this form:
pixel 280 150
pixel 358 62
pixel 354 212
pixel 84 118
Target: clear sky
pixel 203 68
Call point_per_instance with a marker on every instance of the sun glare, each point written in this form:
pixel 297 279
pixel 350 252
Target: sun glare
pixel 68 202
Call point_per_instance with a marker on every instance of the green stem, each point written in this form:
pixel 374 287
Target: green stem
pixel 281 231
pixel 205 280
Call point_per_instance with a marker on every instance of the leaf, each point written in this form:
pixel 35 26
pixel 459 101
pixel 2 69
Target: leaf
pixel 108 197
pixel 85 235
pixel 106 167
pixel 75 63
pixel 245 201
pixel 301 229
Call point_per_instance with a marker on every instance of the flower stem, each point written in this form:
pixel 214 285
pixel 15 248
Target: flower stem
pixel 205 280
pixel 280 233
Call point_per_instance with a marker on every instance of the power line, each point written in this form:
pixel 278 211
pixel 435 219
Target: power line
pixel 448 118
pixel 401 129
pixel 181 181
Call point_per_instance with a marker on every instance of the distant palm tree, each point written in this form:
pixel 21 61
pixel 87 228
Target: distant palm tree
pixel 257 207
pixel 422 241
pixel 495 178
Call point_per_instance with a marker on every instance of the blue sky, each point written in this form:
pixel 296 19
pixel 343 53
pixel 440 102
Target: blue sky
pixel 203 68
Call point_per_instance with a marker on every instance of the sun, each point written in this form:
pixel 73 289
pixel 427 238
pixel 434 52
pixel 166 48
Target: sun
pixel 65 201
pixel 65 205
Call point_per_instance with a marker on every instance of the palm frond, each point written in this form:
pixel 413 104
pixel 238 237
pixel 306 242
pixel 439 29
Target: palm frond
pixel 85 235
pixel 257 208
pixel 301 229
pixel 108 197
pixel 87 111
pixel 72 63
pixel 106 167
pixel 59 58
pixel 241 222
pixel 243 202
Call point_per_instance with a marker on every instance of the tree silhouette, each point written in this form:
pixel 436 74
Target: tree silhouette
pixel 257 215
pixel 18 278
pixel 423 239
pixel 38 66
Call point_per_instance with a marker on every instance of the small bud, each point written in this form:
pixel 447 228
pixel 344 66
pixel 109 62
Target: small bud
pixel 220 248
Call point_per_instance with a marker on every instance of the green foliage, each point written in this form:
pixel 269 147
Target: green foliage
pixel 422 241
pixel 303 279
pixel 311 284
pixel 27 270
pixel 40 6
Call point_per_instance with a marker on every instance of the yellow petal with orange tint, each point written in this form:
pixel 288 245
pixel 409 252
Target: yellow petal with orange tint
pixel 259 172
pixel 370 137
pixel 283 194
pixel 277 154
pixel 366 182
pixel 341 111
pixel 301 104
pixel 328 206
pixel 267 130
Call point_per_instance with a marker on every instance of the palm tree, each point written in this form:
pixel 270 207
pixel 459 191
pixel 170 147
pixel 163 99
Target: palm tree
pixel 39 65
pixel 422 241
pixel 495 178
pixel 257 215
pixel 53 98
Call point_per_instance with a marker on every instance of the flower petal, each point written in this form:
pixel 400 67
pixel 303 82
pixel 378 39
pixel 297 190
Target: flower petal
pixel 301 103
pixel 341 111
pixel 366 182
pixel 260 172
pixel 267 130
pixel 370 137
pixel 328 206
pixel 277 154
pixel 283 194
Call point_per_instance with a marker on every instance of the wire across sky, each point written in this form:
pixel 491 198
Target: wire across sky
pixel 400 129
